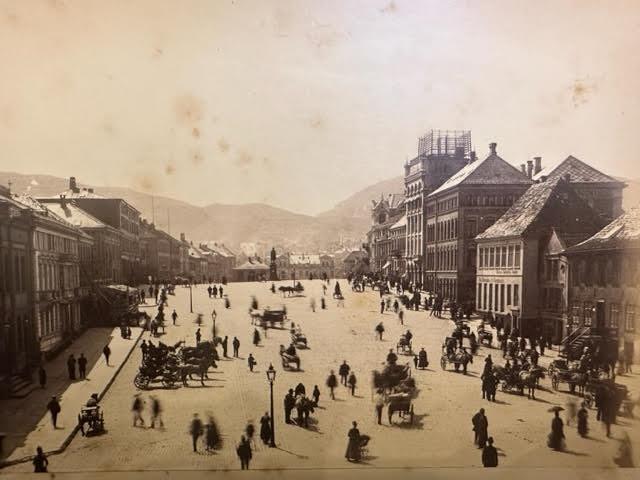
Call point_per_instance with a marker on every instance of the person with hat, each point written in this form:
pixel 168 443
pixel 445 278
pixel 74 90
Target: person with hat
pixel 289 404
pixel 583 416
pixel 555 439
pixel 480 427
pixel 136 408
pixel 489 454
pixel 54 407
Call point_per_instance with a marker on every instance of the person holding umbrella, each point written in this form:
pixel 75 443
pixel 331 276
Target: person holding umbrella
pixel 556 437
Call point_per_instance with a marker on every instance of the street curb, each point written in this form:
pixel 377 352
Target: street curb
pixel 67 442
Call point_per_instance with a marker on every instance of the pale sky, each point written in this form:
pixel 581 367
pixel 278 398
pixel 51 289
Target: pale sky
pixel 298 103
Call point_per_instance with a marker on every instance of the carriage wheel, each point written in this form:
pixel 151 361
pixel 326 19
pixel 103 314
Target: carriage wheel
pixel 141 381
pixel 443 363
pixel 168 382
pixel 411 415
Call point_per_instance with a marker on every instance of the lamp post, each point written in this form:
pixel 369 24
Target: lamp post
pixel 271 376
pixel 213 317
pixel 190 298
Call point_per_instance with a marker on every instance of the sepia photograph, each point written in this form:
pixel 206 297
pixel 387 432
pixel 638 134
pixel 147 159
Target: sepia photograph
pixel 319 238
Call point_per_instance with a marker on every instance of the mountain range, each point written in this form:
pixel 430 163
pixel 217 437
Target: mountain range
pixel 345 225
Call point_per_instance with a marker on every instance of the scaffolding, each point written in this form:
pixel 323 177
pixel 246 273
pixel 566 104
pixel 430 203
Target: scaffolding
pixel 445 142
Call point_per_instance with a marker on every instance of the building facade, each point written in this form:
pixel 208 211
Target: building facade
pixel 384 214
pixel 440 155
pixel 466 204
pixel 604 285
pixel 511 253
pixel 294 266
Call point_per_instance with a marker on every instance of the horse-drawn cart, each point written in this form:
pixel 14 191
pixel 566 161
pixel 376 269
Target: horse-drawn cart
pixel 458 358
pixel 268 318
pixel 93 417
pixel 404 345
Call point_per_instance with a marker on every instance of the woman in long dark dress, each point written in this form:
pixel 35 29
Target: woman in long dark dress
pixel 40 461
pixel 353 447
pixel 583 415
pixel 556 437
pixel 265 428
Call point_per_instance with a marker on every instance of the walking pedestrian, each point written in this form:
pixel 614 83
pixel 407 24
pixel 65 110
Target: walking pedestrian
pixel 256 337
pixel 54 408
pixel 480 427
pixel 316 395
pixel 220 291
pixel 352 383
pixel 624 458
pixel 107 353
pixel 583 416
pixel 71 367
pixel 323 303
pixel 381 305
pixel 332 383
pixel 227 303
pixel 144 347
pixel 380 330
pixel 236 347
pixel 555 439
pixel 225 345
pixel 252 362
pixel 343 371
pixel 174 316
pixel 353 446
pixel 136 409
pixel 379 405
pixel 489 454
pixel 82 366
pixel 313 305
pixel 571 411
pixel 265 428
pixel 156 412
pixel 244 453
pixel 40 462
pixel 198 336
pixel 195 430
pixel 289 403
pixel 212 435
pixel 209 290
pixel 42 377
pixel 401 316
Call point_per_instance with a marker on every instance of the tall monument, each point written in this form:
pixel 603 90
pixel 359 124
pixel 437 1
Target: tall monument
pixel 273 269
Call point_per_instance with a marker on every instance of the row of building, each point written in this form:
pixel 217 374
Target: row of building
pixel 63 257
pixel 518 243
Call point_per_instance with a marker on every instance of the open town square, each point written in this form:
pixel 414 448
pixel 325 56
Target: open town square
pixel 440 432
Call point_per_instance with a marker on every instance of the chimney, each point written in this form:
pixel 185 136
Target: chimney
pixel 73 186
pixel 538 165
pixel 183 238
pixel 63 201
pixel 529 168
pixel 492 147
pixel 523 169
pixel 567 178
pixel 90 190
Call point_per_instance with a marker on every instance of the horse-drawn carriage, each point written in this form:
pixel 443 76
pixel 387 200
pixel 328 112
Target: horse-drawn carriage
pixel 485 337
pixel 171 364
pixel 608 388
pixel 562 371
pixel 404 300
pixel 296 290
pixel 289 357
pixel 401 399
pixel 516 379
pixel 268 317
pixel 449 355
pixel 299 339
pixel 404 344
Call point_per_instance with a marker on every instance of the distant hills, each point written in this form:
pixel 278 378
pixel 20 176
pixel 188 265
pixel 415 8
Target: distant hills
pixel 345 224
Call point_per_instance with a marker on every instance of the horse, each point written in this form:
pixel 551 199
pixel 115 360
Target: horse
pixel 201 369
pixel 529 379
pixel 285 289
pixel 391 377
pixel 305 407
pixel 287 358
pixel 462 358
pixel 578 379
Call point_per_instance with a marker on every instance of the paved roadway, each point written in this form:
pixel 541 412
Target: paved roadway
pixel 442 435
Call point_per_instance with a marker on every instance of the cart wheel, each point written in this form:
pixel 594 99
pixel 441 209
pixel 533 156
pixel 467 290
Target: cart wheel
pixel 443 363
pixel 141 381
pixel 411 415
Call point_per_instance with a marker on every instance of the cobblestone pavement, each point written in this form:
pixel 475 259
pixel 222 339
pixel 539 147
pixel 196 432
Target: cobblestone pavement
pixel 441 435
pixel 27 421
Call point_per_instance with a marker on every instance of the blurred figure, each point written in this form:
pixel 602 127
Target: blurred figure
pixel 572 410
pixel 583 416
pixel 156 412
pixel 40 461
pixel 625 454
pixel 489 454
pixel 265 428
pixel 136 408
pixel 195 430
pixel 244 453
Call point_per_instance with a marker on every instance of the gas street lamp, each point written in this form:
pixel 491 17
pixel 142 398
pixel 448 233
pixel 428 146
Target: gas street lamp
pixel 271 377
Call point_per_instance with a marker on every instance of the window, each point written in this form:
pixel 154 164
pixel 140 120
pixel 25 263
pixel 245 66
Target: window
pixel 491 252
pixel 496 297
pixel 479 297
pixel 504 257
pixel 554 270
pixel 484 296
pixel 516 295
pixel 576 309
pixel 502 298
pixel 614 315
pixel 630 318
pixel 491 296
pixel 587 314
pixel 480 262
pixel 508 294
pixel 510 256
pixel 516 262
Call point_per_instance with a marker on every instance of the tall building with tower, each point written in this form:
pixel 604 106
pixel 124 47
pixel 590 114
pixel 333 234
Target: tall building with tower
pixel 441 154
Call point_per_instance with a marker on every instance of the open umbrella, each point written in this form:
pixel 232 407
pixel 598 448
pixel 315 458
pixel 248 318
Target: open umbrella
pixel 556 409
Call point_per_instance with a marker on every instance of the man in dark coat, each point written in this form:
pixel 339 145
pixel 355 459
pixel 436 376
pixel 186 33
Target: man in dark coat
pixel 71 367
pixel 332 383
pixel 344 372
pixel 54 407
pixel 225 346
pixel 107 353
pixel 490 454
pixel 289 403
pixel 42 376
pixel 480 427
pixel 236 346
pixel 82 366
pixel 244 453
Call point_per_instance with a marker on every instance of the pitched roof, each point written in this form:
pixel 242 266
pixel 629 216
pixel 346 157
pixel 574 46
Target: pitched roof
pixel 493 170
pixel 252 265
pixel 81 193
pixel 522 213
pixel 400 223
pixel 42 210
pixel 304 259
pixel 75 215
pixel 579 172
pixel 623 232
